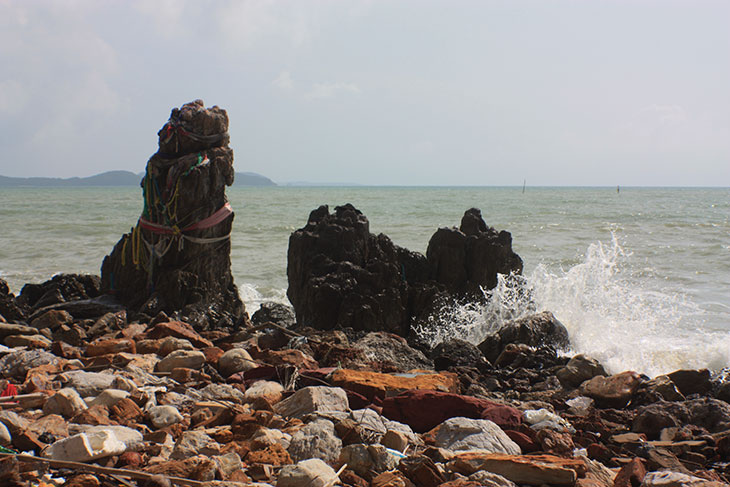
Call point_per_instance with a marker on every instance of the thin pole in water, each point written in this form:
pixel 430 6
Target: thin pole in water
pixel 524 183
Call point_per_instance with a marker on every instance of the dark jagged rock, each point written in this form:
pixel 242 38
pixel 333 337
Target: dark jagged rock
pixel 9 308
pixel 60 289
pixel 177 258
pixel 341 275
pixel 457 353
pixel 277 313
pixel 540 330
pixel 469 258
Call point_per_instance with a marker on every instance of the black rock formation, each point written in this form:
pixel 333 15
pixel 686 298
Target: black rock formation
pixel 177 258
pixel 341 275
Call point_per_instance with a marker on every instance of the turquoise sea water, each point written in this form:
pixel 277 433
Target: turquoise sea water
pixel 641 278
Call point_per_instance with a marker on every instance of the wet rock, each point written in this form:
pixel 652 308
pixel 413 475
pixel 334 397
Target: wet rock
pixel 65 402
pixel 192 277
pixel 456 353
pixel 663 387
pixel 189 359
pixel 307 473
pixel 540 330
pixel 374 385
pixel 62 288
pixel 315 399
pixel 164 416
pixel 9 308
pixel 474 434
pixel 235 360
pixel 277 313
pixel 424 410
pixel 579 369
pixel 691 381
pixel 382 347
pixel 614 391
pixel 315 440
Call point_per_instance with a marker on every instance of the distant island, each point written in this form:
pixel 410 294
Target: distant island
pixel 117 178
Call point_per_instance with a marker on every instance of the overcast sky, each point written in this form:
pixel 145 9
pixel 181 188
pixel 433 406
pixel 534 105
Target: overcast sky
pixel 377 92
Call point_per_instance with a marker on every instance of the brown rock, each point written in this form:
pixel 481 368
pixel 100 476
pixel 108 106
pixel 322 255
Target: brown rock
pixel 374 385
pixel 125 412
pixel 130 459
pixel 613 391
pixel 179 329
pixel 692 381
pixel 83 480
pixel 391 479
pixel 296 358
pixel 271 455
pixel 421 470
pixel 395 440
pixel 110 346
pixel 556 443
pixel 64 350
pixel 521 469
pixel 631 474
pixel 52 319
pixel 348 477
pixel 184 375
pixel 212 354
pixel 195 468
pixel 95 415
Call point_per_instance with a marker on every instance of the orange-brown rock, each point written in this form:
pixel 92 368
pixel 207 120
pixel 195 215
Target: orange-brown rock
pixel 293 357
pixel 614 391
pixel 195 468
pixel 271 455
pixel 83 480
pixel 212 354
pixel 391 479
pixel 178 329
pixel 125 412
pixel 95 415
pixel 110 346
pixel 373 384
pixel 521 469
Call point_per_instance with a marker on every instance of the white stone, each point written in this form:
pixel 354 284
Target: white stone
pixel 163 416
pixel 65 402
pixel 370 421
pixel 109 398
pixel 193 443
pixel 189 359
pixel 676 479
pixel 130 437
pixel 221 392
pixel 457 434
pixel 366 459
pixel 228 463
pixel 315 399
pixel 316 440
pixel 308 473
pixel 14 423
pixel 235 360
pixel 85 447
pixel 270 436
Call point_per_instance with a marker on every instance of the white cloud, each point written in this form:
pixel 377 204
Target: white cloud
pixel 329 90
pixel 284 81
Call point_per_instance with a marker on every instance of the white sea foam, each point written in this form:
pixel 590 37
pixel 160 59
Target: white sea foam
pixel 621 317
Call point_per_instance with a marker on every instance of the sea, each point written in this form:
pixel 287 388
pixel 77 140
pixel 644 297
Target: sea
pixel 639 276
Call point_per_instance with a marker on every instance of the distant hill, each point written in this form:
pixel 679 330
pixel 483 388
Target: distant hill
pixel 117 178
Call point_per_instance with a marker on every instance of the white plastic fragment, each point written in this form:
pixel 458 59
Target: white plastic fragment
pixel 540 419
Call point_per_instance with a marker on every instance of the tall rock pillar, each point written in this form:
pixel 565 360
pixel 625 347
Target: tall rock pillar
pixel 177 258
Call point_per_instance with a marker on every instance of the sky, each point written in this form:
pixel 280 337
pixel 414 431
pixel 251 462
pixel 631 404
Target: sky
pixel 392 92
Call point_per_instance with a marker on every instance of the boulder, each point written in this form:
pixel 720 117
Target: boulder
pixel 691 381
pixel 391 349
pixel 16 364
pixel 457 353
pixel 474 434
pixel 187 222
pixel 539 330
pixel 615 391
pixel 315 440
pixel 709 413
pixel 273 312
pixel 9 308
pixel 314 399
pixel 368 460
pixel 579 369
pixel 527 469
pixel 423 410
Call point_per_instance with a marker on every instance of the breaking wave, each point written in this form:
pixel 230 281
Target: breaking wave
pixel 623 317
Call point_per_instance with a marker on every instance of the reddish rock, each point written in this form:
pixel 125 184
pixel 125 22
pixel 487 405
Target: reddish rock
pixel 424 410
pixel 374 385
pixel 184 375
pixel 348 477
pixel 178 329
pixel 52 319
pixel 212 354
pixel 527 443
pixel 95 415
pixel 522 469
pixel 555 442
pixel 391 479
pixel 614 391
pixel 195 468
pixel 421 470
pixel 125 412
pixel 82 480
pixel 64 350
pixel 293 357
pixel 131 459
pixel 114 345
pixel 272 455
pixel 600 452
pixel 631 474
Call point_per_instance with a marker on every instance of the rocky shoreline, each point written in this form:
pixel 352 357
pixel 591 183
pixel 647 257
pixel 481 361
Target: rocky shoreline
pixel 153 374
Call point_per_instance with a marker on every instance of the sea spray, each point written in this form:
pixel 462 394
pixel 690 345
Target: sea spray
pixel 614 313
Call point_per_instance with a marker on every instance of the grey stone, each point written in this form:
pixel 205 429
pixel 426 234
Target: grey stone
pixel 193 443
pixel 5 437
pixel 87 383
pixel 489 479
pixel 16 364
pixel 109 398
pixel 163 416
pixel 458 434
pixel 316 440
pixel 170 344
pixel 228 463
pixel 387 347
pixel 579 369
pixel 189 359
pixel 14 423
pixel 676 479
pixel 222 392
pixel 369 420
pixel 315 399
pixel 368 460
